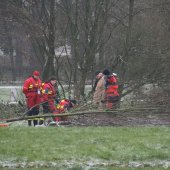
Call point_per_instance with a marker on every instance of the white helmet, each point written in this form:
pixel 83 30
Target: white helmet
pixel 114 74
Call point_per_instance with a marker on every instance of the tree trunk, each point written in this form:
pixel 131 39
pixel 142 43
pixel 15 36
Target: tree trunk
pixel 10 49
pixel 127 46
pixel 49 65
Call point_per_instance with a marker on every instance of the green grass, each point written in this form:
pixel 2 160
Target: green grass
pixel 81 145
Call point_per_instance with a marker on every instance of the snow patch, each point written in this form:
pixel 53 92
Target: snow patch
pixel 85 164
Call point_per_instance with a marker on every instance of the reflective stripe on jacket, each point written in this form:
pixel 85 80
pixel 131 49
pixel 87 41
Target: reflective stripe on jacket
pixel 31 85
pixel 48 91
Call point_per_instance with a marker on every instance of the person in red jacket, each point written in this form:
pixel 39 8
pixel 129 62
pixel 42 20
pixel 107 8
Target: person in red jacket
pixel 49 95
pixel 111 89
pixel 31 89
pixel 65 105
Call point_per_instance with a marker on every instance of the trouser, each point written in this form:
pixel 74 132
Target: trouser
pixel 32 100
pixel 111 100
pixel 33 112
pixel 50 107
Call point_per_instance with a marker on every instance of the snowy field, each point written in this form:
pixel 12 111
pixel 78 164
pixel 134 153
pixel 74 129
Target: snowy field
pixel 10 93
pixel 14 93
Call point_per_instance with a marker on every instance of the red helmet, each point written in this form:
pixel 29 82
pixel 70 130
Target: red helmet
pixel 36 73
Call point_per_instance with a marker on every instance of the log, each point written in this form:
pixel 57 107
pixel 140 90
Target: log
pixel 130 109
pixel 56 115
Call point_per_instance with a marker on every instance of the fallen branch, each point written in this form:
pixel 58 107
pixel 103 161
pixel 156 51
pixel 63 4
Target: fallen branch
pixel 57 115
pixel 82 113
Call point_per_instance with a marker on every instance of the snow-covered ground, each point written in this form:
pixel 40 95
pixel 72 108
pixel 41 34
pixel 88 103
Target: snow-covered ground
pixel 14 93
pixel 10 87
pixel 10 93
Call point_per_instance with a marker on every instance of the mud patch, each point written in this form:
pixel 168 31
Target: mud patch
pixel 121 119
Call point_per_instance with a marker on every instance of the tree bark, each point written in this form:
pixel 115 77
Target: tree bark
pixel 49 65
pixel 127 46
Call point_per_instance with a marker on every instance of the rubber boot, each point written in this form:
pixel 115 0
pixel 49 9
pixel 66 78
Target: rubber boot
pixel 35 122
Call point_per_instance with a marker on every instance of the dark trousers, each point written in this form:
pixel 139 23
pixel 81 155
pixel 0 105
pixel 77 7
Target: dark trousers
pixel 33 112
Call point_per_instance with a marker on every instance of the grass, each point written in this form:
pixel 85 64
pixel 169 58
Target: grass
pixel 77 147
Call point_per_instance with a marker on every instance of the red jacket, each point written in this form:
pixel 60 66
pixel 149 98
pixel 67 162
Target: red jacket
pixel 63 104
pixel 48 91
pixel 31 86
pixel 111 85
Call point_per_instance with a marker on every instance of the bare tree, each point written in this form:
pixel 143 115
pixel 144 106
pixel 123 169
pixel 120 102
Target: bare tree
pixel 86 21
pixel 49 64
